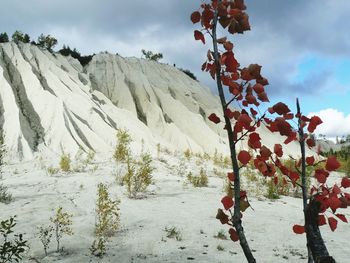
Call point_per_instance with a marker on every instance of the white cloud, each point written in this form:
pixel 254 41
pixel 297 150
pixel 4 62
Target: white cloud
pixel 335 123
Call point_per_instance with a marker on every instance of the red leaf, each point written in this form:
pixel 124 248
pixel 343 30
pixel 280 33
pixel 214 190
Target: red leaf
pixel 288 116
pixel 263 97
pixel 321 175
pixel 283 126
pixel 345 182
pixel 336 190
pixel 342 218
pixel 230 62
pixel 258 88
pixel 278 150
pixel 228 45
pixel 281 108
pixel 244 157
pixel 310 142
pixel 310 160
pixel 332 223
pixel 231 176
pixel 195 17
pixel 227 202
pixel 321 220
pixel 214 118
pixel 298 229
pixel 334 203
pixel 314 122
pixel 254 140
pixel 233 235
pixel 222 40
pixel 265 152
pixel 332 163
pixel 199 36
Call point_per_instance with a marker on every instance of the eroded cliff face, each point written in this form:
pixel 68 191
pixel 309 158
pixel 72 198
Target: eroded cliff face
pixel 50 103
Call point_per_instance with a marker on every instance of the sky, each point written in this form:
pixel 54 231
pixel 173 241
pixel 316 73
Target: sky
pixel 303 46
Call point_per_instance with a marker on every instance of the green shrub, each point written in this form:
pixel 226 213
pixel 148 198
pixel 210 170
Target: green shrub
pixel 272 190
pixel 65 162
pixel 45 235
pixel 52 170
pixel 5 196
pixel 62 225
pixel 107 220
pixel 198 181
pixel 107 215
pixel 173 232
pixel 138 175
pixel 221 235
pixel 98 247
pixel 220 248
pixel 187 154
pixel 122 149
pixel 11 249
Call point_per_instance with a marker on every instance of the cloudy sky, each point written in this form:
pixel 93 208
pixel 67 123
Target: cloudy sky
pixel 303 46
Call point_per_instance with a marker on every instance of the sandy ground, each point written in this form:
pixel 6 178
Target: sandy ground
pixel 170 202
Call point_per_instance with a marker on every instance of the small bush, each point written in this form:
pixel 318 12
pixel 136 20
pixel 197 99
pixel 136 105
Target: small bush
pixel 138 175
pixel 221 235
pixel 198 181
pixel 52 170
pixel 65 162
pixel 187 154
pixel 98 247
pixel 45 235
pixel 62 225
pixel 272 190
pixel 173 232
pixel 220 248
pixel 5 196
pixel 11 249
pixel 122 150
pixel 107 215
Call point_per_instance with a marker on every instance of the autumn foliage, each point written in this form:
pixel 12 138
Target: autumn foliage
pixel 246 88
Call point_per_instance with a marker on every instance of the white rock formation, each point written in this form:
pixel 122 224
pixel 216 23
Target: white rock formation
pixel 49 102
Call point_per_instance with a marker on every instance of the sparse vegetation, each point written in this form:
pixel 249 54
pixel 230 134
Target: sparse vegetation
pixel 220 248
pixel 47 42
pixel 189 73
pixel 122 150
pixel 107 215
pixel 152 56
pixel 52 170
pixel 138 175
pixel 107 220
pixel 45 235
pixel 65 162
pixel 221 235
pixel 98 247
pixel 173 232
pixel 187 154
pixel 4 37
pixel 11 248
pixel 62 225
pixel 198 181
pixel 5 196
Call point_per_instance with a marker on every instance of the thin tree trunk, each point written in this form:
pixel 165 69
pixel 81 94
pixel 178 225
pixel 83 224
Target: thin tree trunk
pixel 303 176
pixel 317 250
pixel 237 188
